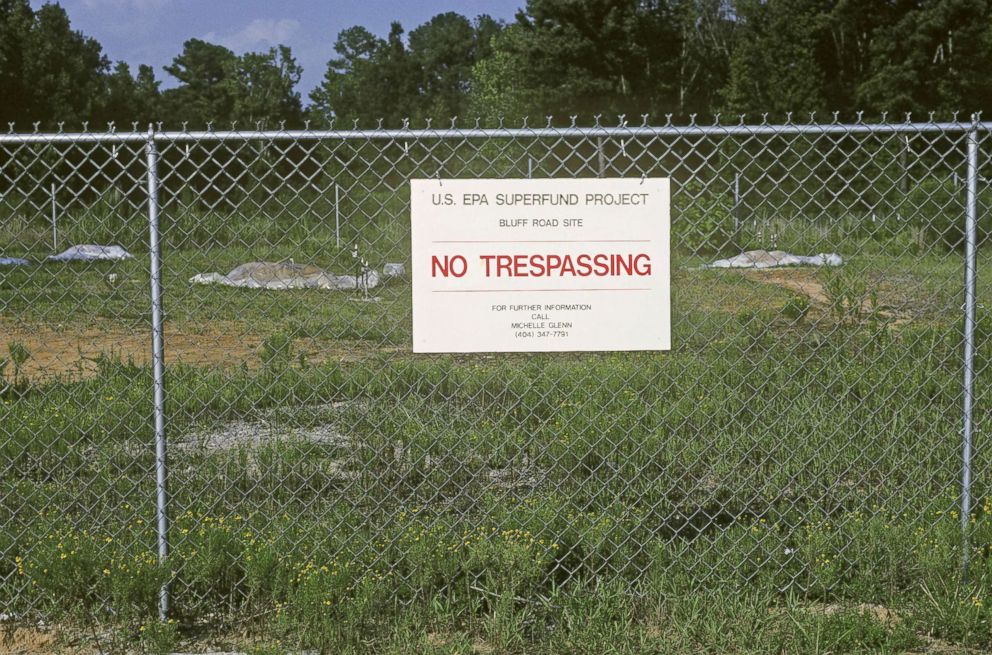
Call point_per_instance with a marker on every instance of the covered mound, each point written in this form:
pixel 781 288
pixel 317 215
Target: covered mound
pixel 773 258
pixel 286 275
pixel 90 252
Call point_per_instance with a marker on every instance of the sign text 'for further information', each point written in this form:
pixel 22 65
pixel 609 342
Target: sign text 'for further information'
pixel 540 265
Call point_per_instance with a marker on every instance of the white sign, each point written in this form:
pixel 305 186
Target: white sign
pixel 540 265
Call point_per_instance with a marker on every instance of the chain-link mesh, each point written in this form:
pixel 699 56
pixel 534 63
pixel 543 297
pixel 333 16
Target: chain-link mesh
pixel 804 428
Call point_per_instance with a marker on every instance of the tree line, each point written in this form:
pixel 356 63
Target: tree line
pixel 557 58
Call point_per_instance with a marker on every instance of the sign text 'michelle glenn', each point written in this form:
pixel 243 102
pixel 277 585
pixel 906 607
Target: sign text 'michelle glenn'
pixel 540 265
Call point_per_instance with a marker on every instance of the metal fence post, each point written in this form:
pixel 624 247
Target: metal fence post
pixel 55 229
pixel 600 157
pixel 971 220
pixel 737 212
pixel 154 248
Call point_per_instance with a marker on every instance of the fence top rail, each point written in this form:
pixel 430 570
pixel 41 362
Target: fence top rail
pixel 716 130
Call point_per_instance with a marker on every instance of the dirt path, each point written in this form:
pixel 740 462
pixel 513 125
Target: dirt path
pixel 57 351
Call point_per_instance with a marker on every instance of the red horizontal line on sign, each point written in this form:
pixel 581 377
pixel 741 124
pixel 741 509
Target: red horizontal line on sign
pixel 527 290
pixel 556 241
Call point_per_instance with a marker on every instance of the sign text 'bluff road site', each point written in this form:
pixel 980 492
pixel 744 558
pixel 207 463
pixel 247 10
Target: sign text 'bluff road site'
pixel 540 265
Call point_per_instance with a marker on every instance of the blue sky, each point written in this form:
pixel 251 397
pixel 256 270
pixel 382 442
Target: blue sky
pixel 153 31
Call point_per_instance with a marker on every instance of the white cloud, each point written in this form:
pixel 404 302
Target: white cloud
pixel 260 33
pixel 140 5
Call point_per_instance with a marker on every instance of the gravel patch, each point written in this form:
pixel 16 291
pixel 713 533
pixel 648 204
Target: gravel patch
pixel 268 428
pixel 245 434
pixel 332 451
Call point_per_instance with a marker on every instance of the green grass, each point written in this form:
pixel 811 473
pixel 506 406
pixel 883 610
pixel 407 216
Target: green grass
pixel 785 480
pixel 796 474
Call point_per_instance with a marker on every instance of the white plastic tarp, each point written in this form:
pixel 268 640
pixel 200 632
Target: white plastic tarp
pixel 283 275
pixel 773 258
pixel 90 252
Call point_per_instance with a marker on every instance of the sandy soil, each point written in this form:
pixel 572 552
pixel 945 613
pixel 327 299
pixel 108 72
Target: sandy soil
pixel 803 281
pixel 17 640
pixel 798 280
pixel 63 350
pixel 58 350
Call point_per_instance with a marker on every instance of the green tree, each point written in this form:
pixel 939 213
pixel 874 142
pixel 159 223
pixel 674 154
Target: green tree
pixel 347 90
pixel 443 51
pixel 852 29
pixel 932 55
pixel 16 19
pixel 61 70
pixel 263 86
pixel 599 56
pixel 706 33
pixel 776 62
pixel 392 78
pixel 498 88
pixel 147 87
pixel 205 91
pixel 373 78
pixel 130 99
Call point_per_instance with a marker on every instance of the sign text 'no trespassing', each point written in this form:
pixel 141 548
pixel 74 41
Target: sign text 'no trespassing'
pixel 540 265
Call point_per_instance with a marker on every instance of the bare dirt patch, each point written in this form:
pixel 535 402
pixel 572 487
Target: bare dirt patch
pixel 66 351
pixel 798 280
pixel 24 640
pixel 804 282
pixel 880 613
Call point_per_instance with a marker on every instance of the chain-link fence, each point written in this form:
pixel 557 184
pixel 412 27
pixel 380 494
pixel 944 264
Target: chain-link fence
pixel 805 429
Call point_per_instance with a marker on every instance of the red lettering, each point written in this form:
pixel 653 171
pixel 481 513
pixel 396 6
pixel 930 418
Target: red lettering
pixel 642 264
pixel 537 266
pixel 621 264
pixel 548 265
pixel 602 263
pixel 487 259
pixel 520 266
pixel 447 266
pixel 584 267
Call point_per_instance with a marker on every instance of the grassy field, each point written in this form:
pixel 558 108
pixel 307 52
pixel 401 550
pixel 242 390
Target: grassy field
pixel 785 480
